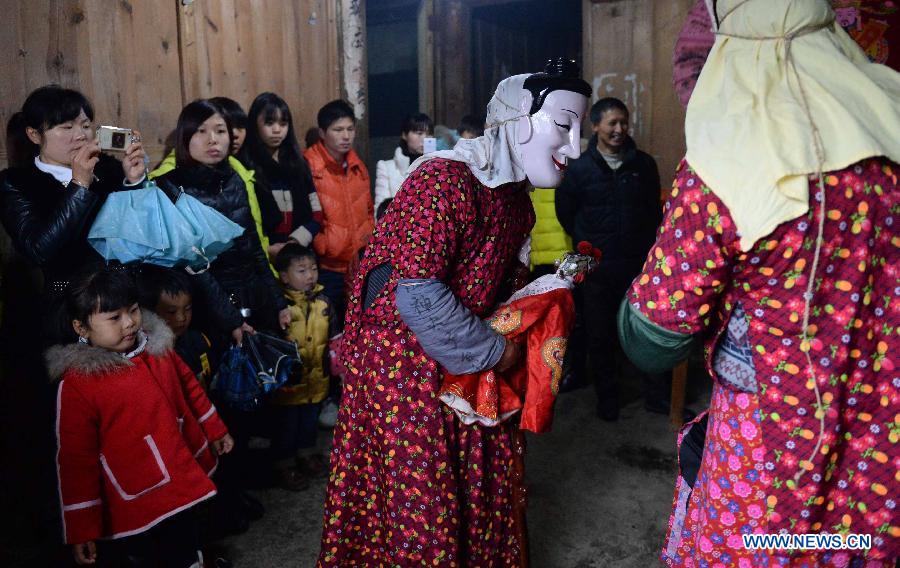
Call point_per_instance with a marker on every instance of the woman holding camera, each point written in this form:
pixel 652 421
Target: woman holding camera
pixel 49 196
pixel 49 202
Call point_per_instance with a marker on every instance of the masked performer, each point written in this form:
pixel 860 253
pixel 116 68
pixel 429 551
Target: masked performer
pixel 411 484
pixel 779 248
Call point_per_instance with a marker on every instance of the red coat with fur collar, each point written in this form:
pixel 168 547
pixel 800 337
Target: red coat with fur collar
pixel 133 436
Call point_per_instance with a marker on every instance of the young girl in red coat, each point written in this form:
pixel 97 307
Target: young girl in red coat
pixel 137 436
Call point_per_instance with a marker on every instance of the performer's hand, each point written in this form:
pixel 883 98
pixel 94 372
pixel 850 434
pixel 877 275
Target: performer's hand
pixel 511 355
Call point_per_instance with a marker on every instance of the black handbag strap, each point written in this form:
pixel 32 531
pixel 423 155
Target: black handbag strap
pixel 250 346
pixel 289 348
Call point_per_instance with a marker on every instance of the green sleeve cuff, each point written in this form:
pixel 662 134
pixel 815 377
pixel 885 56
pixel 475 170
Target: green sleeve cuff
pixel 652 348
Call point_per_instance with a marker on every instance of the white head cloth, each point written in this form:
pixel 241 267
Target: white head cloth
pixel 494 158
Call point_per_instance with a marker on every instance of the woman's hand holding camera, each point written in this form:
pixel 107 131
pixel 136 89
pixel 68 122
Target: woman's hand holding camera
pixel 133 162
pixel 83 163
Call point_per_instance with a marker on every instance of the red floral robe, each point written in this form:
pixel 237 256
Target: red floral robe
pixel 411 484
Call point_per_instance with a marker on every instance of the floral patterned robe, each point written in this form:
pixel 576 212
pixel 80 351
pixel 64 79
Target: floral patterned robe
pixel 410 484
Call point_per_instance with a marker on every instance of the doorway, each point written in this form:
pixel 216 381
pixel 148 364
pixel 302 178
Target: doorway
pixel 519 37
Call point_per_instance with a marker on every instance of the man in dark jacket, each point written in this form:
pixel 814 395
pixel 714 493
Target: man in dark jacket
pixel 610 198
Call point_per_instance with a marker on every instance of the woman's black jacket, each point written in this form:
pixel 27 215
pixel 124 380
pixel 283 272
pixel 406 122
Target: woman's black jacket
pixel 48 223
pixel 244 265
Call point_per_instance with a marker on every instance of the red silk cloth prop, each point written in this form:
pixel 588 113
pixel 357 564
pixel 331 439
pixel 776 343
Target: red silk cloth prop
pixel 541 324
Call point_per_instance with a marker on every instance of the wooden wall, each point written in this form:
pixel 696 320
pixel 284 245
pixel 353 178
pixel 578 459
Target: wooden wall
pixel 628 54
pixel 453 60
pixel 511 41
pixel 139 62
pixel 476 43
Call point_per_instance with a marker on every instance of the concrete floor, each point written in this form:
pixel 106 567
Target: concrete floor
pixel 599 495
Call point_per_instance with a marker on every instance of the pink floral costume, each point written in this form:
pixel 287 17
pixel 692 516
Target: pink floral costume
pixel 764 419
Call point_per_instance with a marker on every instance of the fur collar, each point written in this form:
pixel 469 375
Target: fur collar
pixel 89 360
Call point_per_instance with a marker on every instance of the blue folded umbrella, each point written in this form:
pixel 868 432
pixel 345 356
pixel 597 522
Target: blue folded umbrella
pixel 216 232
pixel 143 225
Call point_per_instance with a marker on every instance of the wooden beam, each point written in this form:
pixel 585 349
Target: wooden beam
pixel 452 64
pixel 426 57
pixel 354 76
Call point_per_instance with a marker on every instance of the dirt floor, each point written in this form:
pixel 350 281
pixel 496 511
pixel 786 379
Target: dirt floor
pixel 599 495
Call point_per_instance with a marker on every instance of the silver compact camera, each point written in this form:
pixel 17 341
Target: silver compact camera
pixel 113 138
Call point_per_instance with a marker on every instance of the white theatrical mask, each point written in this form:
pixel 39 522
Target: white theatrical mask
pixel 551 137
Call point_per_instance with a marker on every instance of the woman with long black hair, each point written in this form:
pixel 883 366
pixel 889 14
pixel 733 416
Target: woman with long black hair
pixel 287 195
pixel 202 170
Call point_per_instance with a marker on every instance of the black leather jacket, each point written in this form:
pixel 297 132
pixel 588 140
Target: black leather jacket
pixel 243 270
pixel 49 223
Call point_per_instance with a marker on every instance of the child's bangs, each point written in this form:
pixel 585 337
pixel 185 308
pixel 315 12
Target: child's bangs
pixel 292 252
pixel 110 290
pixel 118 299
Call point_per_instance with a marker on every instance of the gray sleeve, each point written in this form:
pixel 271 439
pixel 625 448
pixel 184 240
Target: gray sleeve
pixel 450 334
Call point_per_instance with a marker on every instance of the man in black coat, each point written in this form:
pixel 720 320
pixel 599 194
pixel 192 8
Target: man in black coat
pixel 610 198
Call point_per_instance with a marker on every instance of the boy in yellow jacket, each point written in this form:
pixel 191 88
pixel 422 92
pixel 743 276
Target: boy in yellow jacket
pixel 296 405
